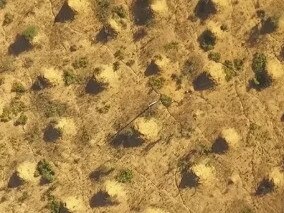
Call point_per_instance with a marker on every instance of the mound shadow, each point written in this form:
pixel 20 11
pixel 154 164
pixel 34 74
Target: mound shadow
pixel 21 44
pixel 128 139
pixel 264 187
pixel 204 9
pixel 65 14
pixel 101 199
pixel 220 146
pixel 15 181
pixel 189 180
pixel 203 82
pixel 51 134
pixel 142 12
pixel 93 87
pixel 152 69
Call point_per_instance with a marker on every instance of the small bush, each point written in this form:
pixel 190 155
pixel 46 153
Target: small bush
pixel 18 87
pixel 3 3
pixel 207 40
pixel 30 32
pixel 16 106
pixel 125 176
pixel 8 19
pixel 22 120
pixel 55 206
pixel 69 77
pixel 80 63
pixel 166 100
pixel 119 11
pixel 214 56
pixel 103 9
pixel 262 79
pixel 238 64
pixel 46 171
pixel 156 82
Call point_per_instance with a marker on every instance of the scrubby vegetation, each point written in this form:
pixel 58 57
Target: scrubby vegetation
pixel 259 67
pixel 214 56
pixel 125 176
pixel 30 32
pixel 45 171
pixel 3 3
pixel 8 19
pixel 166 100
pixel 156 82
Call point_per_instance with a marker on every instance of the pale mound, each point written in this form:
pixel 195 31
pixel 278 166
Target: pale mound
pixel 216 72
pixel 53 76
pixel 275 68
pixel 154 210
pixel 107 75
pixel 115 190
pixel 115 25
pixel 40 39
pixel 79 5
pixel 67 126
pixel 159 6
pixel 205 172
pixel 216 29
pixel 231 136
pixel 26 171
pixel 277 176
pixel 148 128
pixel 222 4
pixel 161 61
pixel 74 204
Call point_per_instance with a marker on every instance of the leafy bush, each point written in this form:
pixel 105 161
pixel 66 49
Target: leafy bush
pixel 46 171
pixel 125 176
pixel 3 3
pixel 16 106
pixel 103 9
pixel 214 56
pixel 8 19
pixel 156 82
pixel 207 40
pixel 166 100
pixel 30 32
pixel 262 79
pixel 22 120
pixel 18 87
pixel 69 77
pixel 81 62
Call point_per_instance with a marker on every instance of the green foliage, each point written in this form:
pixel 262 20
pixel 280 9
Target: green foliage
pixel 171 46
pixel 214 56
pixel 46 171
pixel 259 63
pixel 103 9
pixel 125 176
pixel 156 82
pixel 3 3
pixel 230 68
pixel 81 62
pixel 16 106
pixel 30 32
pixel 55 206
pixel 262 79
pixel 8 19
pixel 22 120
pixel 18 87
pixel 119 11
pixel 70 77
pixel 207 40
pixel 166 100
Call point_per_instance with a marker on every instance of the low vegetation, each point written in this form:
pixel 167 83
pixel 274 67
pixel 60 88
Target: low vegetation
pixel 125 176
pixel 30 32
pixel 259 67
pixel 214 56
pixel 45 171
pixel 166 100
pixel 156 82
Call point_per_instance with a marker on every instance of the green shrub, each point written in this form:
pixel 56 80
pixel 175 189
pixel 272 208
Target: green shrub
pixel 22 120
pixel 69 77
pixel 156 82
pixel 125 176
pixel 3 3
pixel 103 9
pixel 18 87
pixel 238 64
pixel 30 32
pixel 8 19
pixel 262 79
pixel 207 40
pixel 80 63
pixel 46 171
pixel 166 100
pixel 16 106
pixel 119 11
pixel 214 56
